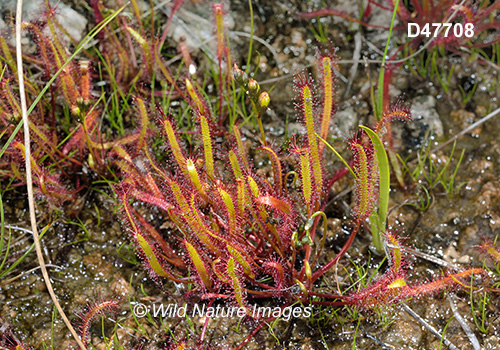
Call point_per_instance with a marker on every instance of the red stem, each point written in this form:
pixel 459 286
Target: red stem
pixel 250 336
pixel 205 325
pixel 325 295
pixel 337 176
pixel 342 252
pixel 220 91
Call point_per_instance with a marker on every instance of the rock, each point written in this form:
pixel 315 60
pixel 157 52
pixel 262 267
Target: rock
pixel 350 8
pixel 491 343
pixel 120 286
pixel 404 332
pixel 464 118
pixel 334 227
pixel 193 24
pixel 73 22
pixel 296 129
pixel 383 18
pixel 346 121
pixel 423 110
pixel 97 264
pixel 488 197
pixel 450 254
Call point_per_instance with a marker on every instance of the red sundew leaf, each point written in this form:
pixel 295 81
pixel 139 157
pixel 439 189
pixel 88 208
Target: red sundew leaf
pixel 398 111
pixel 491 250
pixel 450 281
pixel 275 203
pixel 92 311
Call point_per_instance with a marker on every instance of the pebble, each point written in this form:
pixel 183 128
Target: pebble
pixel 97 264
pixel 464 118
pixel 423 110
pixel 346 121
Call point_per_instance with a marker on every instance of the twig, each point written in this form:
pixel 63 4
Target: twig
pixel 383 345
pixel 429 327
pixel 466 130
pixel 29 183
pixel 355 56
pixel 430 258
pixel 472 337
pixel 5 282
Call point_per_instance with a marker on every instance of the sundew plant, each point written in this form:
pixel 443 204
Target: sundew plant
pixel 226 218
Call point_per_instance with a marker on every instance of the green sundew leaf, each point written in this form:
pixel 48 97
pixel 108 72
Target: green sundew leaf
pixel 198 265
pixel 207 146
pixel 241 260
pixel 384 176
pixel 326 65
pixel 238 289
pixel 174 145
pixel 150 255
pixel 363 181
pixel 307 105
pixel 231 212
pixel 195 178
pixel 253 186
pixel 305 171
pixel 233 159
pixel 397 284
pixel 144 122
pixel 241 196
pixel 241 148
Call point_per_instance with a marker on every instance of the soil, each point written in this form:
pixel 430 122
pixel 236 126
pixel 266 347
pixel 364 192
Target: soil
pixel 90 255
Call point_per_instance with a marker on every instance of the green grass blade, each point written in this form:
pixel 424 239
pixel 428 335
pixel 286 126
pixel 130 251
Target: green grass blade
pixel 338 155
pixel 384 177
pixel 18 261
pixel 250 46
pixel 380 92
pixel 2 224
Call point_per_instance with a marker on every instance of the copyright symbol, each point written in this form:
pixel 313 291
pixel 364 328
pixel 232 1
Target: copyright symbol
pixel 140 310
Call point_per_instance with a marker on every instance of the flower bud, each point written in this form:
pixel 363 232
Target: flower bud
pixel 253 87
pixel 240 76
pixel 294 239
pixel 263 102
pixel 91 161
pixel 303 288
pixel 75 110
pixel 308 270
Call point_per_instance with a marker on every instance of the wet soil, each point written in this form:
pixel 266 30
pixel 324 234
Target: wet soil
pixel 93 259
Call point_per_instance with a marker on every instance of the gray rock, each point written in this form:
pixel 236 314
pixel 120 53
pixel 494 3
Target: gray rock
pixel 194 25
pixel 73 22
pixel 296 129
pixel 346 121
pixel 350 8
pixel 423 109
